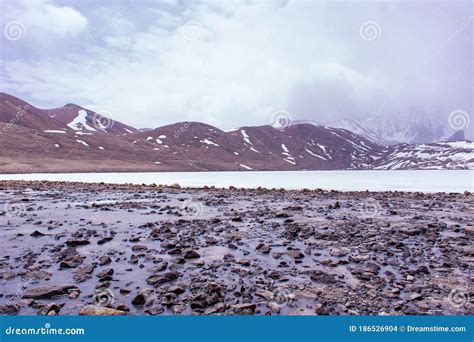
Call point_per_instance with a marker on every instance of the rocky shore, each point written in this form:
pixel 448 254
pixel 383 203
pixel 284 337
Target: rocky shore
pixel 98 249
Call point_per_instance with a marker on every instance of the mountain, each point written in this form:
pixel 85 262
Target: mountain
pixel 68 139
pixel 14 111
pixel 81 119
pixel 408 129
pixel 444 155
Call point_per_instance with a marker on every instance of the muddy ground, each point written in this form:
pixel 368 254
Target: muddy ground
pixel 73 248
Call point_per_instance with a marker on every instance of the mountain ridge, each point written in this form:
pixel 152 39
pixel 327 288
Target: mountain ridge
pixel 57 140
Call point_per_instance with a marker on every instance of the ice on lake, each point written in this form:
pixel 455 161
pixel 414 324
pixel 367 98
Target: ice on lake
pixel 373 180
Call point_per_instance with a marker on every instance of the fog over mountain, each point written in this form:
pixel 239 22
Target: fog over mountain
pixel 235 63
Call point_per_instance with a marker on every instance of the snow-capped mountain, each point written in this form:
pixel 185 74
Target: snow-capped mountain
pixel 67 139
pixel 82 119
pixel 444 155
pixel 410 129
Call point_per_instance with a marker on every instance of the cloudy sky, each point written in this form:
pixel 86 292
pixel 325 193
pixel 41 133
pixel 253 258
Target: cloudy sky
pixel 235 63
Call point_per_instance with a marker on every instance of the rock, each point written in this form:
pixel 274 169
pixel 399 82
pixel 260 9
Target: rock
pixel 123 307
pixel 268 295
pixel 104 260
pixel 244 306
pixel 139 300
pixel 139 248
pixel 155 311
pixel 37 234
pixel 191 254
pixel 168 245
pixel 104 240
pixel 49 291
pixel 72 261
pixel 50 309
pixel 243 262
pixel 282 215
pixel 415 296
pixel 93 310
pixel 74 295
pixel 106 274
pixel 295 254
pixel 262 248
pixel 237 219
pixel 219 307
pixel 160 266
pixel 84 273
pixel 176 289
pixel 358 258
pixel 323 277
pixel 303 311
pixel 75 243
pixel 9 309
pixel 274 307
pixel 38 275
pixel 156 280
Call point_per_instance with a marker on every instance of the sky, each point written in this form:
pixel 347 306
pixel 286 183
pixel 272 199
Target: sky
pixel 236 63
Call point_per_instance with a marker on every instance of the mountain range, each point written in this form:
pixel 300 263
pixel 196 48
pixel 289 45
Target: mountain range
pixel 74 139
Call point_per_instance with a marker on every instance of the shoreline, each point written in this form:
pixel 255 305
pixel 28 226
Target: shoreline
pixel 427 181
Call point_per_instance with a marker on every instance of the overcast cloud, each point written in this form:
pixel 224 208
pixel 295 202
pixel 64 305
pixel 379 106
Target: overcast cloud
pixel 230 63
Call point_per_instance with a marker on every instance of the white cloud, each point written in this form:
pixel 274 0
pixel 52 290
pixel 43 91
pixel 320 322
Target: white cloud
pixel 42 17
pixel 251 59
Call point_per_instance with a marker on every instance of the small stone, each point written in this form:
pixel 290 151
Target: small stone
pixel 156 280
pixel 75 243
pixel 49 291
pixel 268 295
pixel 9 309
pixel 37 234
pixel 191 254
pixel 139 300
pixel 93 310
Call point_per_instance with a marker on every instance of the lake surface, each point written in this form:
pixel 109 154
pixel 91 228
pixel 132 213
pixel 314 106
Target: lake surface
pixel 416 180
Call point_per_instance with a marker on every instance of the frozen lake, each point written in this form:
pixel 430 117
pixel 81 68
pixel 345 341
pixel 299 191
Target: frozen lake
pixel 417 180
